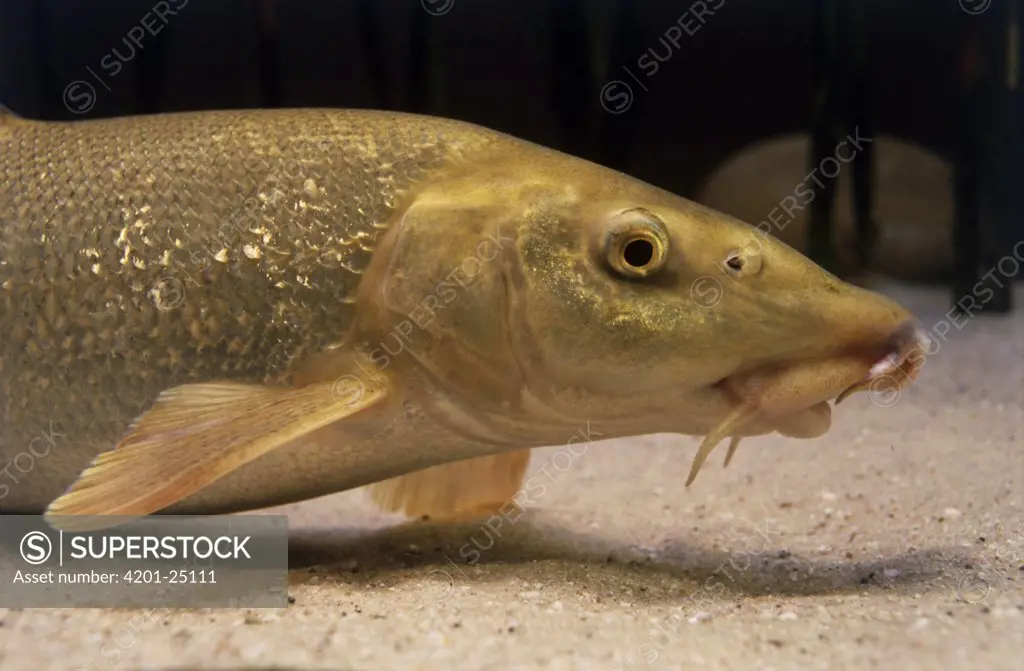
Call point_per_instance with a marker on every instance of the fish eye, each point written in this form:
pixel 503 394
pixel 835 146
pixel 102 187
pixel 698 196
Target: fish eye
pixel 635 243
pixel 638 252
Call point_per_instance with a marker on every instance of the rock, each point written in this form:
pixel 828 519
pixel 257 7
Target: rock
pixel 913 202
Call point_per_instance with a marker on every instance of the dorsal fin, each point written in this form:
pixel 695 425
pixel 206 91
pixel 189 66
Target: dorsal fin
pixel 7 117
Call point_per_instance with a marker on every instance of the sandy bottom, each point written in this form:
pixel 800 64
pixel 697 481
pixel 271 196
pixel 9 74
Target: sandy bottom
pixel 896 541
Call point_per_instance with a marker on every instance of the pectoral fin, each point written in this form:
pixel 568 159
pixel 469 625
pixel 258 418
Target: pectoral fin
pixel 471 487
pixel 195 434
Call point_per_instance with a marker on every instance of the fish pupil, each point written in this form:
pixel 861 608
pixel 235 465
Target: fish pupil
pixel 638 253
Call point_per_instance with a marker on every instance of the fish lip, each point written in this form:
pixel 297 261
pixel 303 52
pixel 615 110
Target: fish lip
pixel 898 358
pixel 897 364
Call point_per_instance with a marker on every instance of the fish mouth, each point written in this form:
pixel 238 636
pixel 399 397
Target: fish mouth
pixel 798 393
pixel 883 368
pixel 899 367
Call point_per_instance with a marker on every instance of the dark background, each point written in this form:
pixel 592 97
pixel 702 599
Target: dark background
pixel 929 71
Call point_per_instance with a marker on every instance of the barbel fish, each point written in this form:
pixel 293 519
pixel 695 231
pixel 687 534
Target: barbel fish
pixel 213 312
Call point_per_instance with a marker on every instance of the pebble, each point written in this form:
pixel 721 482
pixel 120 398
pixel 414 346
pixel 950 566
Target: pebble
pixel 951 513
pixel 699 617
pixel 891 572
pixel 921 623
pixel 788 615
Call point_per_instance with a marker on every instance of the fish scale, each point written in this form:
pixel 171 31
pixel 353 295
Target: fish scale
pixel 140 254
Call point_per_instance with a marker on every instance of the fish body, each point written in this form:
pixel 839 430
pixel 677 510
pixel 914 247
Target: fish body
pixel 212 312
pixel 146 253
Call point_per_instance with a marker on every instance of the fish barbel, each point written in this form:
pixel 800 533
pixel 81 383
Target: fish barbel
pixel 212 312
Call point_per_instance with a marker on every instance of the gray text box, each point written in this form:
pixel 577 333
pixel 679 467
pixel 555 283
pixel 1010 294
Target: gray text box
pixel 162 561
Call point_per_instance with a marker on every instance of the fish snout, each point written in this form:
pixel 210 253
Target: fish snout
pixel 908 339
pixel 859 340
pixel 861 322
pixel 896 364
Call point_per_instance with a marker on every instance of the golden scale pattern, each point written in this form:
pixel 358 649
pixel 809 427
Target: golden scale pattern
pixel 137 254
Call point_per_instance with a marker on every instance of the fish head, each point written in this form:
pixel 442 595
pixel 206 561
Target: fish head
pixel 639 303
pixel 603 297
